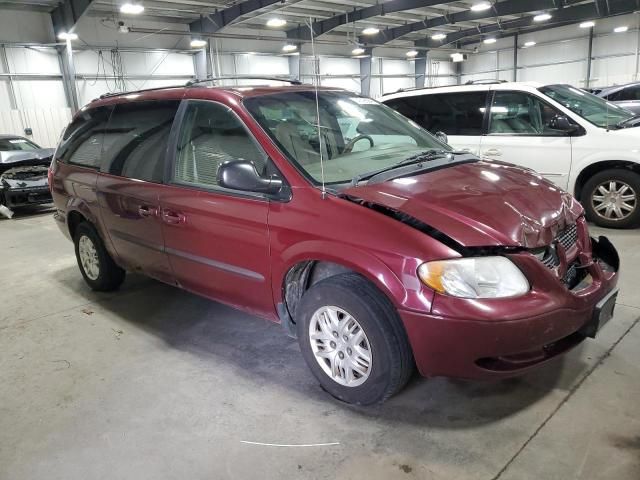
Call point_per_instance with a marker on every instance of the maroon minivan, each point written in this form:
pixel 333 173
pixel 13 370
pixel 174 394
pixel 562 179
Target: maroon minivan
pixel 374 243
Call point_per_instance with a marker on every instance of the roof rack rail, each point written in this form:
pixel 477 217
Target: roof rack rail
pixel 485 81
pixel 244 77
pixel 129 92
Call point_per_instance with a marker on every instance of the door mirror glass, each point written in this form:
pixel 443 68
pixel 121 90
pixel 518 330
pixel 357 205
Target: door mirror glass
pixel 562 123
pixel 440 135
pixel 242 175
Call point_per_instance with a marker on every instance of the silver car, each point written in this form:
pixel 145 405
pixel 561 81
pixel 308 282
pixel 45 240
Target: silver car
pixel 23 173
pixel 626 96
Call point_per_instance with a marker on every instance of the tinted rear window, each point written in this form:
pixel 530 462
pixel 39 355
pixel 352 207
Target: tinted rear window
pixel 82 140
pixel 451 113
pixel 135 140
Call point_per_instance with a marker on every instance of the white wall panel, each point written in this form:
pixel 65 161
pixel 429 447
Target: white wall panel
pixel 33 60
pixel 47 124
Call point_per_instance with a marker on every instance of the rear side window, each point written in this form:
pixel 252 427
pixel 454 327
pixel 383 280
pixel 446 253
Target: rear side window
pixel 135 140
pixel 410 107
pixel 82 140
pixel 211 134
pixel 451 113
pixel 628 93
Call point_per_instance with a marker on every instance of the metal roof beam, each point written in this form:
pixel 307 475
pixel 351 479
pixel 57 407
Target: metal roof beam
pixel 564 16
pixel 324 26
pixel 508 7
pixel 221 18
pixel 66 15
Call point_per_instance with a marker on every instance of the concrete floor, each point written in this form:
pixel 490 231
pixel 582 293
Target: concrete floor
pixel 155 383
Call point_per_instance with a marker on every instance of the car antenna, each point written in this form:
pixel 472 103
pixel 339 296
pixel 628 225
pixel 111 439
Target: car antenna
pixel 316 81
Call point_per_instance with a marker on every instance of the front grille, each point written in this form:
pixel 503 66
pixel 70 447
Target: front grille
pixel 568 237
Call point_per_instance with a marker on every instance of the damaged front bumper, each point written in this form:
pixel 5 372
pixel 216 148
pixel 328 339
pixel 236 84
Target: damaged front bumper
pixel 496 338
pixel 24 185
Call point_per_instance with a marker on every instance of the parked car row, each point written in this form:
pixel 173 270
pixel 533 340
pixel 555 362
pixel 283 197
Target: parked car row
pixel 378 246
pixel 582 143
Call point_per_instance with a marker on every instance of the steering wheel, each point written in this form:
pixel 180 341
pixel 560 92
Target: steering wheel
pixel 349 146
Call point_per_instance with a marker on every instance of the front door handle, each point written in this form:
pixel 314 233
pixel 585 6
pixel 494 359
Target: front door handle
pixel 173 218
pixel 146 211
pixel 492 152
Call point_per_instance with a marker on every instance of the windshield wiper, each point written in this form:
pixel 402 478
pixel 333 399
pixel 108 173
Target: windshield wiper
pixel 425 156
pixel 627 121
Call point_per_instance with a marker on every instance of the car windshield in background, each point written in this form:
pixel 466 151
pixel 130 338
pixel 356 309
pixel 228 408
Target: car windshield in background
pixel 596 110
pixel 357 135
pixel 16 144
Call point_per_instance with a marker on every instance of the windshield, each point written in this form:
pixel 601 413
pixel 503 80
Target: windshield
pixel 16 144
pixel 357 135
pixel 593 109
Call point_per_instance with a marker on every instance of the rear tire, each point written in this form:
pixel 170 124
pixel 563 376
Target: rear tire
pixel 353 340
pixel 611 198
pixel 96 265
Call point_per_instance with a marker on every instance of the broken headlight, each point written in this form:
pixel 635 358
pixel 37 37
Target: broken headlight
pixel 476 277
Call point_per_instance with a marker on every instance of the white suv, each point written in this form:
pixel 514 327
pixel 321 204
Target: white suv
pixel 584 144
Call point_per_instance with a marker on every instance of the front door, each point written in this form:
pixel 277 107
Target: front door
pixel 518 133
pixel 135 145
pixel 217 240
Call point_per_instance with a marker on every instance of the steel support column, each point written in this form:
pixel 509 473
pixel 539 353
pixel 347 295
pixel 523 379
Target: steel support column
pixel 589 55
pixel 294 66
pixel 421 68
pixel 365 72
pixel 65 55
pixel 515 57
pixel 13 103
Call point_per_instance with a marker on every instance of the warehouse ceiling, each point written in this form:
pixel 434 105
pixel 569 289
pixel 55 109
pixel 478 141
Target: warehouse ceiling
pixel 401 22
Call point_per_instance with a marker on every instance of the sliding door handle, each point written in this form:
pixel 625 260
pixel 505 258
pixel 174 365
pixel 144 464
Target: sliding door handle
pixel 146 211
pixel 173 218
pixel 492 152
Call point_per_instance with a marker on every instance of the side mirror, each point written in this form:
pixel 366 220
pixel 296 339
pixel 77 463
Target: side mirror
pixel 242 175
pixel 562 123
pixel 440 135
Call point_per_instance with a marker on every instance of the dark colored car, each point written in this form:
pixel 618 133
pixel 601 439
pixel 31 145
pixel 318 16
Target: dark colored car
pixel 376 245
pixel 23 172
pixel 626 96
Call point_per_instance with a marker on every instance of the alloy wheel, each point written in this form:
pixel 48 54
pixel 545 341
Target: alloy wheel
pixel 614 200
pixel 89 257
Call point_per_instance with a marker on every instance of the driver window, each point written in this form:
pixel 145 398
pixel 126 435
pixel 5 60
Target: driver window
pixel 519 113
pixel 211 134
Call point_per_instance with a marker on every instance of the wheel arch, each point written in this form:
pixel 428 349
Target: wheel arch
pixel 592 169
pixel 304 269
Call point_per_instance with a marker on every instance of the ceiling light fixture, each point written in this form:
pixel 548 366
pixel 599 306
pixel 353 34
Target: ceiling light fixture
pixel 411 53
pixel 289 47
pixel 587 24
pixel 357 51
pixel 370 31
pixel 479 7
pixel 198 43
pixel 530 43
pixel 439 36
pixel 132 8
pixel 622 29
pixel 67 36
pixel 543 17
pixel 457 57
pixel 276 22
pixel 489 40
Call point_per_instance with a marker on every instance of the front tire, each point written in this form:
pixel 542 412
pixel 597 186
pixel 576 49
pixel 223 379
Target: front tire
pixel 96 265
pixel 353 340
pixel 611 198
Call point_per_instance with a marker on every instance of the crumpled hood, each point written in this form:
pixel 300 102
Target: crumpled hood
pixel 479 204
pixel 23 157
